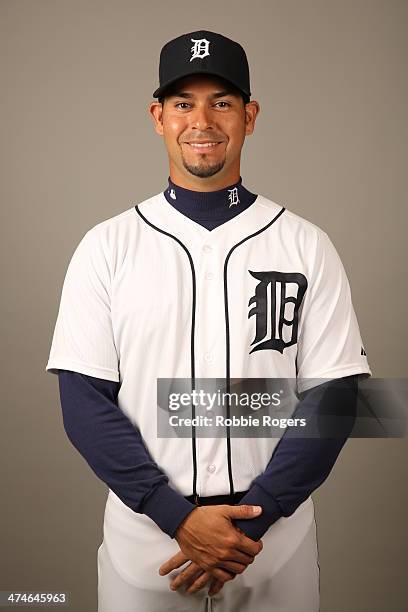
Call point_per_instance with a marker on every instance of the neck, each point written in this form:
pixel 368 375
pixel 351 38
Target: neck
pixel 210 208
pixel 208 184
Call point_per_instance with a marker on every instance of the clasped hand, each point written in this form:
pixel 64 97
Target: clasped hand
pixel 216 548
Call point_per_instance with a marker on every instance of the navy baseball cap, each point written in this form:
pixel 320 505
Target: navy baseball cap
pixel 203 52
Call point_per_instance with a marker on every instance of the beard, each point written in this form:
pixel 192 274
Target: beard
pixel 204 169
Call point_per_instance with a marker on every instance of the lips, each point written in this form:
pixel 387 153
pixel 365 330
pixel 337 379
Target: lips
pixel 203 146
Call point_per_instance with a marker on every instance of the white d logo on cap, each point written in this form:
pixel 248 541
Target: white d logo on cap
pixel 200 48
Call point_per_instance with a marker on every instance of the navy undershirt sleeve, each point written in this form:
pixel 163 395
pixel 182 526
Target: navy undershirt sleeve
pixel 114 449
pixel 299 465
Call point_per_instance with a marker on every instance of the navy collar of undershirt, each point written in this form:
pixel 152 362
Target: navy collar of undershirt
pixel 220 205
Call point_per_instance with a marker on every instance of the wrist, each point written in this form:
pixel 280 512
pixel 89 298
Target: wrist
pixel 183 524
pixel 167 508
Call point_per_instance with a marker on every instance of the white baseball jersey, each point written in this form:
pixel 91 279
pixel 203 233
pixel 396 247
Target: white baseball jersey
pixel 151 294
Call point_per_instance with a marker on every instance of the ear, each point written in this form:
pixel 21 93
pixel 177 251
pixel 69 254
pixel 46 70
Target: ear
pixel 156 113
pixel 252 109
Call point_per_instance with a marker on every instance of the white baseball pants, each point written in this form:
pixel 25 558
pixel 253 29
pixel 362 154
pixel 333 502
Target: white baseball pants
pixel 293 588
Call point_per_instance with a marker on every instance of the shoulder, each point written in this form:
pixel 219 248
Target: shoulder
pixel 106 242
pixel 302 241
pixel 119 223
pixel 293 227
pixel 112 232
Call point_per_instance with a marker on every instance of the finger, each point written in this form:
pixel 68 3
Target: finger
pixel 199 583
pixel 248 546
pixel 215 587
pixel 189 574
pixel 232 566
pixel 240 557
pixel 173 563
pixel 222 575
pixel 243 511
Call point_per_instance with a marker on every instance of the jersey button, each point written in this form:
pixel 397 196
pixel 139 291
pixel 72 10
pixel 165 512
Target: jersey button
pixel 207 248
pixel 211 468
pixel 209 276
pixel 208 357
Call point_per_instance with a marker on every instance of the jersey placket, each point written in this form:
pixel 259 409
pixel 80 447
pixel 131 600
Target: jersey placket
pixel 212 477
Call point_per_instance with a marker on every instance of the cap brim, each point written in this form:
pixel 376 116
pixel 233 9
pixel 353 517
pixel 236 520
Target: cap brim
pixel 161 90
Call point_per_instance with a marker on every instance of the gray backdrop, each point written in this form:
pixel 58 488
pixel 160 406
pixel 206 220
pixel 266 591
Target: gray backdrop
pixel 78 147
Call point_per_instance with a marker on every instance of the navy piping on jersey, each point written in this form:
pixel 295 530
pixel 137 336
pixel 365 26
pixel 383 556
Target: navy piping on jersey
pixel 227 337
pixel 100 431
pixel 192 354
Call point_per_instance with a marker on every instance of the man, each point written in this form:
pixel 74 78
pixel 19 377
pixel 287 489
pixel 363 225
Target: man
pixel 205 280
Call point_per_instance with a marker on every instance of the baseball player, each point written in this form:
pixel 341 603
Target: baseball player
pixel 205 280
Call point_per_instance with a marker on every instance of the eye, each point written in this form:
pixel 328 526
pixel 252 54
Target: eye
pixel 178 104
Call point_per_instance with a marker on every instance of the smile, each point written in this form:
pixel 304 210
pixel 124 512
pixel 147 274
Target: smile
pixel 201 146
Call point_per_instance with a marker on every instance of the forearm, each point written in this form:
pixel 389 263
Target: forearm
pixel 300 465
pixel 114 449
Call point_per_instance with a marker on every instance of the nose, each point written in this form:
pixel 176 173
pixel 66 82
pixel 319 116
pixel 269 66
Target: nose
pixel 201 118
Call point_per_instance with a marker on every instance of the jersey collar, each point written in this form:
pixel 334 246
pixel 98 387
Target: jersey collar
pixel 157 211
pixel 210 208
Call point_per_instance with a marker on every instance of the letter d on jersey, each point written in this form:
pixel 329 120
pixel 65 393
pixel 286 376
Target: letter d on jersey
pixel 270 307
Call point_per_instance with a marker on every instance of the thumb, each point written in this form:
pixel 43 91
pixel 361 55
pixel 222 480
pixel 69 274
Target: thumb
pixel 243 512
